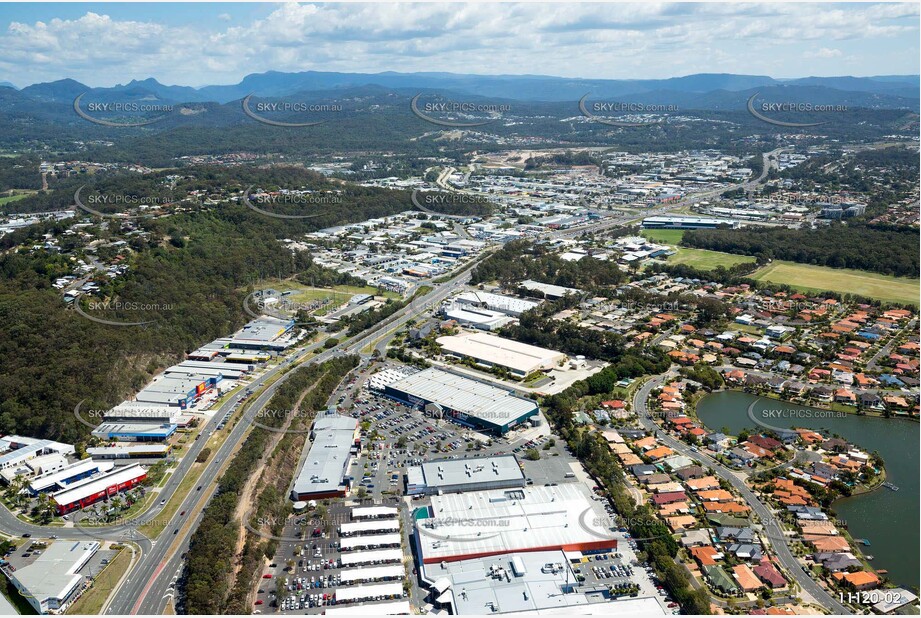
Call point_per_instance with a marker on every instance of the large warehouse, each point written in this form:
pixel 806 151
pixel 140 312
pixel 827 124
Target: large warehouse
pixel 468 402
pixel 455 475
pixel 520 359
pixel 51 581
pixel 332 445
pixel 469 525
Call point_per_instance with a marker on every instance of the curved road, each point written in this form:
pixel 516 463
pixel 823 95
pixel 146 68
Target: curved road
pixel 771 527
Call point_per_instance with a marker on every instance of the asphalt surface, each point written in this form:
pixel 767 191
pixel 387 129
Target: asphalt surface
pixel 771 528
pixel 151 583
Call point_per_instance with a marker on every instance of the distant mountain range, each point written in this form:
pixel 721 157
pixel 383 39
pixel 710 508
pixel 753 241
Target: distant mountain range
pixel 706 91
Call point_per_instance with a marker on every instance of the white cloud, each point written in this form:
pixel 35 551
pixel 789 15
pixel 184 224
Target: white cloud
pixel 578 40
pixel 824 52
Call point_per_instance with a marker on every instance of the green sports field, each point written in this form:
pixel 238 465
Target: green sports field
pixel 707 260
pixel 808 278
pixel 669 237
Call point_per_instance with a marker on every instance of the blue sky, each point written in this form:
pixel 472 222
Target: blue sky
pixel 103 44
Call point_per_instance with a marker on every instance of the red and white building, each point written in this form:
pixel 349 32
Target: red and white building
pixel 83 494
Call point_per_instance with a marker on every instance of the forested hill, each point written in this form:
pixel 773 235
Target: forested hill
pixel 192 271
pixel 883 249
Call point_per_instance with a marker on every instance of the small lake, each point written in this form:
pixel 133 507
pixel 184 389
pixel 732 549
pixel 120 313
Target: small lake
pixel 889 519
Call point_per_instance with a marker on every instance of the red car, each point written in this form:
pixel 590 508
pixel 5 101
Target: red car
pixel 267 576
pixel 259 602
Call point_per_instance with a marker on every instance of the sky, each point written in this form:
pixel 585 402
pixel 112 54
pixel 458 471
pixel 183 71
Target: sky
pixel 104 44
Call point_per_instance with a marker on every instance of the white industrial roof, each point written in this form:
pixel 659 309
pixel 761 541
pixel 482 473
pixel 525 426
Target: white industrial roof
pixel 497 302
pixel 128 449
pixel 324 467
pixel 509 520
pixel 517 356
pixel 30 450
pixel 532 583
pixel 263 329
pixel 350 576
pixel 83 489
pixel 374 540
pixel 372 525
pixel 450 472
pixel 393 608
pixel 358 593
pixel 54 573
pixel 547 288
pixel 45 481
pixel 367 557
pixel 468 396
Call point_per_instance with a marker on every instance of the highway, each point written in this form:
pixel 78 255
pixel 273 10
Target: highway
pixel 772 529
pixel 152 582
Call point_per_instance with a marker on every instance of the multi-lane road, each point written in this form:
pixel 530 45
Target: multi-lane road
pixel 769 522
pixel 151 582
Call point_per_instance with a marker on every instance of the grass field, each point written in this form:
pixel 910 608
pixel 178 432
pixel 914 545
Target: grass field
pixel 669 237
pixel 707 260
pixel 808 278
pixel 6 199
pixel 93 599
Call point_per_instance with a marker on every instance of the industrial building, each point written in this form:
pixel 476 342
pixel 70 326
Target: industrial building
pixel 537 583
pixel 50 582
pixel 462 526
pixel 519 359
pixel 84 493
pixel 547 289
pixel 508 305
pixel 457 475
pixel 129 451
pixel 136 411
pixel 463 400
pixel 687 223
pixel 476 317
pixel 333 443
pixel 60 479
pixel 19 450
pixel 175 390
pixel 265 333
pixel 135 432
